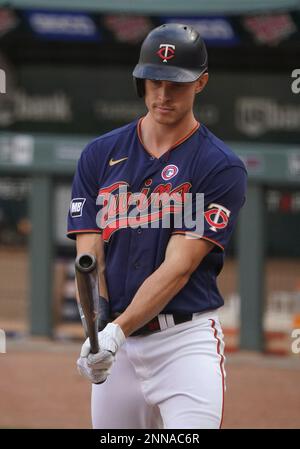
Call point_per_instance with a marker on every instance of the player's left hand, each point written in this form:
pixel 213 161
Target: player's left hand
pixel 96 367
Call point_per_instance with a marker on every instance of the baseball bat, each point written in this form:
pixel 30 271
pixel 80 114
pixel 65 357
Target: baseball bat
pixel 88 301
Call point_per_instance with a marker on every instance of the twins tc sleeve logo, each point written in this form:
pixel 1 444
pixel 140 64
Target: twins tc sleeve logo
pixel 217 216
pixel 76 207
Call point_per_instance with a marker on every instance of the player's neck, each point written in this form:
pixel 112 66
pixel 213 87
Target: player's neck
pixel 158 138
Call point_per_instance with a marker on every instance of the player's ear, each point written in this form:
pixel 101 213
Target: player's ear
pixel 201 82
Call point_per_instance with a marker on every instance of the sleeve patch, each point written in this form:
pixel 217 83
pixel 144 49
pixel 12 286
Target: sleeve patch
pixel 76 207
pixel 217 216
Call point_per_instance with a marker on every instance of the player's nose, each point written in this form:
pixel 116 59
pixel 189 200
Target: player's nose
pixel 165 90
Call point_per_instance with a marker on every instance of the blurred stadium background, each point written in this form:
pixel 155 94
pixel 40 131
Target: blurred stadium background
pixel 68 71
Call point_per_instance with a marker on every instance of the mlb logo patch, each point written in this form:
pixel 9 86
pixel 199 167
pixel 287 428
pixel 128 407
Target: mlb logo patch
pixel 76 207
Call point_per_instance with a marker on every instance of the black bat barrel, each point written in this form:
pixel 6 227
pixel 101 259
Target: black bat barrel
pixel 87 284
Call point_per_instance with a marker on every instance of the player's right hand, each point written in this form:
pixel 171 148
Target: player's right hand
pixel 97 367
pixel 90 371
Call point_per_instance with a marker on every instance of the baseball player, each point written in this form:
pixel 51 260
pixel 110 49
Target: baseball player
pixel 161 357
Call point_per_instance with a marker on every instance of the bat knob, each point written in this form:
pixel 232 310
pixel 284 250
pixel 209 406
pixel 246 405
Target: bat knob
pixel 85 262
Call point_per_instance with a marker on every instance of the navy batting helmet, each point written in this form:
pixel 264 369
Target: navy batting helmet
pixel 171 52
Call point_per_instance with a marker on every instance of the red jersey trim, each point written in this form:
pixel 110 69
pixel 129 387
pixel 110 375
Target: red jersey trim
pixel 198 236
pixel 185 137
pixel 79 231
pixel 139 133
pixel 214 241
pixel 180 141
pixel 191 234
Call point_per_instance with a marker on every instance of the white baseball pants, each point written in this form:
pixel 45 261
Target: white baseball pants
pixel 170 379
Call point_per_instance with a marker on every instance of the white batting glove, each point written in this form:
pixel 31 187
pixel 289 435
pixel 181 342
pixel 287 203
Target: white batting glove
pixel 96 367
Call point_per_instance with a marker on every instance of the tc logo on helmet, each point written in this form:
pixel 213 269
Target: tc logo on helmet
pixel 166 52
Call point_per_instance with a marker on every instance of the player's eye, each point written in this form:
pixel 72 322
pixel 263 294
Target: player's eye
pixel 156 83
pixel 178 85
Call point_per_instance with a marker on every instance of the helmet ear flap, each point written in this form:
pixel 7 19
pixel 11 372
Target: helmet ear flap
pixel 139 85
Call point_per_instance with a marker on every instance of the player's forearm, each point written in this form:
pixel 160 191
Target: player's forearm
pixel 153 295
pixel 93 244
pixel 183 255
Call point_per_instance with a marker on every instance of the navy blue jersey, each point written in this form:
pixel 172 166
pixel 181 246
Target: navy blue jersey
pixel 198 163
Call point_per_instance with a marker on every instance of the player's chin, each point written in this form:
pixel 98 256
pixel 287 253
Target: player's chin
pixel 165 116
